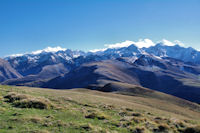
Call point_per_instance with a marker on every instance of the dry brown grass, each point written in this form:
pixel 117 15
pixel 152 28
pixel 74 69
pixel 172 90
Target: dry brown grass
pixel 153 105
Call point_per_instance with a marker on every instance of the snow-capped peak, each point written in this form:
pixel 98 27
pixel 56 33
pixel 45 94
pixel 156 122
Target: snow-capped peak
pixel 141 43
pixel 16 55
pixel 49 49
pixel 165 42
pixel 97 50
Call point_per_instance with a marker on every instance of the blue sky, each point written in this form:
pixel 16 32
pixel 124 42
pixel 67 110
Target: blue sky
pixel 29 25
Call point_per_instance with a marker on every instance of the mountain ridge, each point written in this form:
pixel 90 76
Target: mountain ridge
pixel 173 70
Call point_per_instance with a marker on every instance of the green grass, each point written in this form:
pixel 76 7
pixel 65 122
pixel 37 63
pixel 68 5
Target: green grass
pixel 80 110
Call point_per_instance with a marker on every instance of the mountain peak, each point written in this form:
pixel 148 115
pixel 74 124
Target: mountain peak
pixel 46 50
pixel 132 46
pixel 49 49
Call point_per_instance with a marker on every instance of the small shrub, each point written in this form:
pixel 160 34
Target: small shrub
pixel 138 130
pixel 2 109
pixel 115 123
pixel 125 113
pixel 34 103
pixel 1 98
pixel 12 97
pixel 158 118
pixel 27 101
pixel 86 127
pixel 60 123
pixel 148 113
pixel 36 119
pixel 162 128
pixel 48 124
pixel 129 109
pixel 16 114
pixel 195 129
pixel 139 120
pixel 126 124
pixel 36 131
pixel 20 120
pixel 108 107
pixel 98 115
pixel 180 124
pixel 150 125
pixel 136 114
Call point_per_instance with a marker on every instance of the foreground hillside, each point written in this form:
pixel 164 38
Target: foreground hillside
pixel 35 110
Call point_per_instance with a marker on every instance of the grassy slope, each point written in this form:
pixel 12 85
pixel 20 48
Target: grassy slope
pixel 107 112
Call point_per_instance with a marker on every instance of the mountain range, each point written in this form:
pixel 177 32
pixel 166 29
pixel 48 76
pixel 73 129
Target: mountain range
pixel 173 70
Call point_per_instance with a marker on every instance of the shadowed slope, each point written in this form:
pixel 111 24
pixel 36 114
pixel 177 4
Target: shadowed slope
pixel 47 72
pixel 149 73
pixel 93 74
pixel 7 72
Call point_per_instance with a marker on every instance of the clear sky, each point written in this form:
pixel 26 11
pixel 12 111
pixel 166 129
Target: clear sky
pixel 28 25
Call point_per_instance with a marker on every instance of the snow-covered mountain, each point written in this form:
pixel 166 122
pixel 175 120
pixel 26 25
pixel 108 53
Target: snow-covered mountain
pixel 58 55
pixel 130 51
pixel 32 63
pixel 177 52
pixel 168 68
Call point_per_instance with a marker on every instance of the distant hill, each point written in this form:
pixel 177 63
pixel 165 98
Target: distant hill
pixel 169 79
pixel 47 72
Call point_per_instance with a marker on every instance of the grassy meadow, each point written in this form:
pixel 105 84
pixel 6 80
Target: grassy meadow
pixel 36 110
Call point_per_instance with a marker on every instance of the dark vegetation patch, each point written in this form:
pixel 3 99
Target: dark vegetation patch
pixel 97 115
pixel 194 129
pixel 138 130
pixel 87 127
